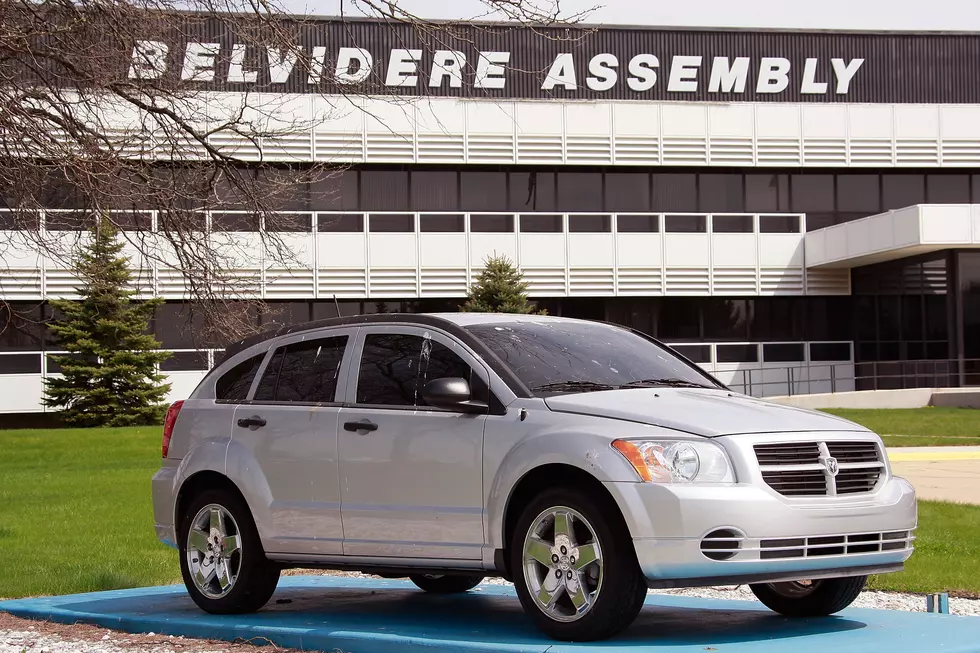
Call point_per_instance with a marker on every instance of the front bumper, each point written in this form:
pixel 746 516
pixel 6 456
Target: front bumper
pixel 778 538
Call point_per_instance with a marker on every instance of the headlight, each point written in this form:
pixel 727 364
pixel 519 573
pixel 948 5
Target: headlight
pixel 677 461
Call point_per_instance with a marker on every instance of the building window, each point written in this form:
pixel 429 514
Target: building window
pixel 336 192
pixel 726 319
pixel 20 364
pixel 532 191
pixel 948 189
pixel 790 352
pixel 731 224
pixel 694 353
pixel 679 318
pixel 22 327
pixel 720 193
pixel 540 223
pixel 391 223
pixel 779 224
pixel 592 224
pixel 491 224
pixel 441 223
pixel 626 224
pixel 340 222
pixel 899 191
pixel 858 194
pixel 580 191
pixel 674 192
pixel 435 191
pixel 384 190
pixel 685 224
pixel 483 191
pixel 627 191
pixel 830 351
pixel 185 361
pixel 737 353
pixel 767 193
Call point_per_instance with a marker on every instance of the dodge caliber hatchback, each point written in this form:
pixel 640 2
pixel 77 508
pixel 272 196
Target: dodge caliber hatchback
pixel 583 461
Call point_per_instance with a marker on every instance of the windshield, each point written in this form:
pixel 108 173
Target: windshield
pixel 553 356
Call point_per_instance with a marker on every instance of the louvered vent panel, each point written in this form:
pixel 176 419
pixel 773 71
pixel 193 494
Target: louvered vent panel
pixel 640 281
pixel 20 283
pixel 283 283
pixel 392 282
pixel 588 149
pixel 730 151
pixel 490 148
pixel 591 282
pixel 824 152
pixel 235 145
pixel 179 146
pixel 828 282
pixel 867 151
pixel 917 152
pixel 61 284
pixel 686 281
pixel 441 148
pixel 734 281
pixel 691 151
pixel 934 278
pixel 142 281
pixel 240 282
pixel 443 282
pixel 341 282
pixel 171 284
pixel 288 147
pixel 129 143
pixel 545 281
pixel 637 149
pixel 338 147
pixel 539 149
pixel 390 147
pixel 781 281
pixel 778 151
pixel 961 152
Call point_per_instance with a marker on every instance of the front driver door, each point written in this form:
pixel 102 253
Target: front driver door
pixel 411 475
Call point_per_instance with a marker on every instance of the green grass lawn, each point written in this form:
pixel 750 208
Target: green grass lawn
pixel 75 511
pixel 918 427
pixel 75 516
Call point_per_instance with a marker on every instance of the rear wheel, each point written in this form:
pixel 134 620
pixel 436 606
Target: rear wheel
pixel 575 568
pixel 451 584
pixel 221 557
pixel 810 598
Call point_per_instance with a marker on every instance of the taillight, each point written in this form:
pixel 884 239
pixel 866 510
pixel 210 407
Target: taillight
pixel 168 425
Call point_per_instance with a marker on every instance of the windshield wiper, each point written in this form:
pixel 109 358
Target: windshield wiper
pixel 671 383
pixel 573 386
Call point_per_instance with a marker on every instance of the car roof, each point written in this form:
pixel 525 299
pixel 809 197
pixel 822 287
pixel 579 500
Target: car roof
pixel 453 322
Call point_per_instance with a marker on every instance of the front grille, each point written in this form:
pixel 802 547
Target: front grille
pixel 835 545
pixel 800 469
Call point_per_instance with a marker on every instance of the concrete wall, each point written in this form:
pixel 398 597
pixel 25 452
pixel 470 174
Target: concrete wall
pixel 911 398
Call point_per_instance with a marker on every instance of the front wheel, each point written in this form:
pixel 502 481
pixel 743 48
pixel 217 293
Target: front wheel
pixel 435 584
pixel 221 557
pixel 810 598
pixel 574 566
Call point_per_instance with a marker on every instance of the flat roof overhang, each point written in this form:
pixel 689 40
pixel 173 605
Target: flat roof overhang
pixel 897 234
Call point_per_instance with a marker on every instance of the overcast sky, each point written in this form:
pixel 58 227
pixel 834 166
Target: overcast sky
pixel 821 14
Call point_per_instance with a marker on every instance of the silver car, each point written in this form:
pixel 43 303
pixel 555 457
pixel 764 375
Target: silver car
pixel 585 462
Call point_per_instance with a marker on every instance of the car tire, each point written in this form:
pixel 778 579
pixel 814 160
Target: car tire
pixel 450 584
pixel 584 602
pixel 237 580
pixel 817 598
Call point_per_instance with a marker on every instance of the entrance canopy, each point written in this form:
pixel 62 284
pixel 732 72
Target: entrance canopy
pixel 897 234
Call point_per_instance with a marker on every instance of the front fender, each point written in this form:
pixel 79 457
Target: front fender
pixel 577 448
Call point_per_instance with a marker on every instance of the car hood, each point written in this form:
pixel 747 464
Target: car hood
pixel 706 412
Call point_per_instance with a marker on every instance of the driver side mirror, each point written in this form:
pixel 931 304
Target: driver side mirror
pixel 452 393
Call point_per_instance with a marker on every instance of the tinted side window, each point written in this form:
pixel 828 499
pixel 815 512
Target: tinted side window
pixel 394 368
pixel 234 384
pixel 303 372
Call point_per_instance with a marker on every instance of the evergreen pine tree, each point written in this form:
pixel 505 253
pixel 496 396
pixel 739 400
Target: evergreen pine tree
pixel 110 378
pixel 500 288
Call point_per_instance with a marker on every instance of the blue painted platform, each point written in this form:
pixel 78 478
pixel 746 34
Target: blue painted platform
pixel 377 616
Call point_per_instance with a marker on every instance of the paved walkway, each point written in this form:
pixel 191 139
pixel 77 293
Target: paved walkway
pixel 940 473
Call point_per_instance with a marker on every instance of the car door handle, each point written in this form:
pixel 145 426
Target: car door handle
pixel 363 425
pixel 253 422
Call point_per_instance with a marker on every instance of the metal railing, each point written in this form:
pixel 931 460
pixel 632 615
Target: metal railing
pixel 811 378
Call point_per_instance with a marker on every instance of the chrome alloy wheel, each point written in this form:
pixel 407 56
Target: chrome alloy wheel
pixel 562 564
pixel 214 551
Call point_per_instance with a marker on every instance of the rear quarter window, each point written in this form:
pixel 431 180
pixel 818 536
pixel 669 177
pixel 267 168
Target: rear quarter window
pixel 235 383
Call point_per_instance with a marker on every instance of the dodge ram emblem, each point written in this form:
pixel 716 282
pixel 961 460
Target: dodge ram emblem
pixel 832 466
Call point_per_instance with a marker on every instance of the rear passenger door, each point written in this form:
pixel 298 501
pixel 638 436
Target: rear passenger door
pixel 290 427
